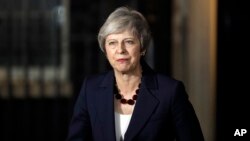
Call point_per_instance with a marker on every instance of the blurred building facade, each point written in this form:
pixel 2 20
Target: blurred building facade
pixel 47 47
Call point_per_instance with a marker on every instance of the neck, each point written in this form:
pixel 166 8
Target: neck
pixel 128 82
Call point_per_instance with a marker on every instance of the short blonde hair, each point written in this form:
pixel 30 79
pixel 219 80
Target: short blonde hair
pixel 124 18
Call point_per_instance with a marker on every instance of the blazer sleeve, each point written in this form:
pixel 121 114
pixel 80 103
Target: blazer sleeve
pixel 186 122
pixel 80 126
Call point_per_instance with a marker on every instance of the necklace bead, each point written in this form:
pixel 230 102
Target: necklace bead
pixel 120 97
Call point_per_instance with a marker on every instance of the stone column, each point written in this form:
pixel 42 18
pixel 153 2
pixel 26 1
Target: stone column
pixel 194 56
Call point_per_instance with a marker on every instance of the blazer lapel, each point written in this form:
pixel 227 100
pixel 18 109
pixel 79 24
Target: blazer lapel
pixel 144 107
pixel 105 107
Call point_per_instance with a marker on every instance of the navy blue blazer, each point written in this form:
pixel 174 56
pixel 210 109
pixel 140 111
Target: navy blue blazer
pixel 162 111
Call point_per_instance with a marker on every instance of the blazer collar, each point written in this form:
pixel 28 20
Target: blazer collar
pixel 105 106
pixel 145 104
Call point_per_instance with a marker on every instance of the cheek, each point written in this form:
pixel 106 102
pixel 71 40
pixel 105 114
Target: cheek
pixel 137 54
pixel 109 55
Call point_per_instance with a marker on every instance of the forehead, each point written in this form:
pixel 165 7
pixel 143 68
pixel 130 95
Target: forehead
pixel 121 35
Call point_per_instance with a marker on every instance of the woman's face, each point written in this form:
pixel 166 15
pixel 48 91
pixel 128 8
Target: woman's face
pixel 123 52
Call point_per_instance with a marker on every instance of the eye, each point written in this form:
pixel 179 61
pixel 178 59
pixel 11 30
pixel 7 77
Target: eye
pixel 130 42
pixel 111 43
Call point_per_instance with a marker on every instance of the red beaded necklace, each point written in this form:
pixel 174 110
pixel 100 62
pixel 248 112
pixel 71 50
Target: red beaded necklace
pixel 120 97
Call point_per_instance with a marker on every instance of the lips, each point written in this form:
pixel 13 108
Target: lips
pixel 122 60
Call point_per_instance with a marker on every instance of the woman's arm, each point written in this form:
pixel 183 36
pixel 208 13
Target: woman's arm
pixel 186 122
pixel 80 126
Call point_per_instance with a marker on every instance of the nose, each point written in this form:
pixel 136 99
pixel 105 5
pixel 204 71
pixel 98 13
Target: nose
pixel 121 49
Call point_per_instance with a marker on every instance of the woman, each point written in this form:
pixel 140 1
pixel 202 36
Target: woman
pixel 131 102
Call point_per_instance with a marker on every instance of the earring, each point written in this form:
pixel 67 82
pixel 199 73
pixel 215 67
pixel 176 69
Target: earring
pixel 143 53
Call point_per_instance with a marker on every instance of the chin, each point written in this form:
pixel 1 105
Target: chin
pixel 123 70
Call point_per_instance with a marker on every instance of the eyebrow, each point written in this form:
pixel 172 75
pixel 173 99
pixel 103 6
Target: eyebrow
pixel 133 38
pixel 109 40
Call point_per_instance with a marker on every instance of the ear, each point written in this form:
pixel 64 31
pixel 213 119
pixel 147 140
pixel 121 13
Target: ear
pixel 143 52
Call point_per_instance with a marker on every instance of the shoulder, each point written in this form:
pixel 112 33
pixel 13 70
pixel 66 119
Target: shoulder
pixel 164 79
pixel 169 85
pixel 161 79
pixel 170 89
pixel 164 82
pixel 97 79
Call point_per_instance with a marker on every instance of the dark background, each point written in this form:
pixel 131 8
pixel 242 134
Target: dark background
pixel 232 69
pixel 48 118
